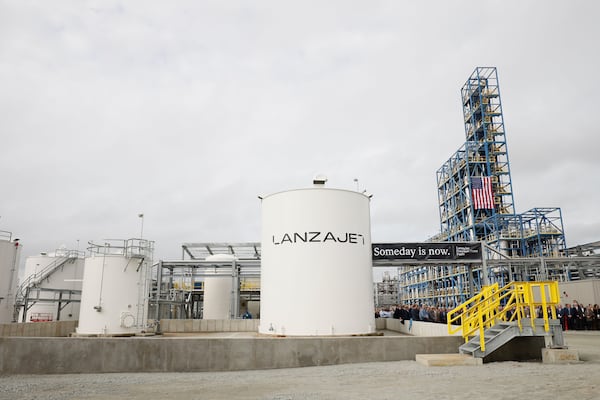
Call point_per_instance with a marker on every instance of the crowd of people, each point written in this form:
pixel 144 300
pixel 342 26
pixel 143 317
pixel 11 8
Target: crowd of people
pixel 576 316
pixel 573 316
pixel 415 312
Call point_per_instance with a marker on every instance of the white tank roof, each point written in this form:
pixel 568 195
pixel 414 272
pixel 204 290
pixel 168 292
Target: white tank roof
pixel 221 257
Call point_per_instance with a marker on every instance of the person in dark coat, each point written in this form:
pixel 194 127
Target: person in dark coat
pixel 573 317
pixel 443 315
pixel 414 313
pixel 397 312
pixel 404 314
pixel 580 323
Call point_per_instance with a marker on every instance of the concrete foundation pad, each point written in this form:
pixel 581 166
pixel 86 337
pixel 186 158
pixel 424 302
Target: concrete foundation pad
pixel 446 360
pixel 559 356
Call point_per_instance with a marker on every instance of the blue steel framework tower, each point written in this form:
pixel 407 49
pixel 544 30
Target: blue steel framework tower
pixel 484 155
pixel 537 232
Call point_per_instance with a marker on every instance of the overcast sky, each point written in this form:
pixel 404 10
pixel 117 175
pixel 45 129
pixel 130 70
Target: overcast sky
pixel 187 110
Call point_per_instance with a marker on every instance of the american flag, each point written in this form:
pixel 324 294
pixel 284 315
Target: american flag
pixel 483 197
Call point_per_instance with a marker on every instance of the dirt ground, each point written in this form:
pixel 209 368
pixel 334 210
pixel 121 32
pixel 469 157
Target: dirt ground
pixel 383 380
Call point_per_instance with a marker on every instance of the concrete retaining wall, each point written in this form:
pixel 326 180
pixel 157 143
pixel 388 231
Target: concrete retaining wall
pixel 64 328
pixel 160 354
pixel 39 351
pixel 208 325
pixel 418 328
pixel 39 329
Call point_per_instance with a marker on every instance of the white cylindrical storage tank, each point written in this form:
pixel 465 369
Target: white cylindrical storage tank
pixel 9 267
pixel 114 296
pixel 217 289
pixel 316 263
pixel 59 270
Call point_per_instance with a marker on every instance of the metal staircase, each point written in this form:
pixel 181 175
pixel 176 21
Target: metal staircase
pixel 496 316
pixel 35 280
pixel 503 332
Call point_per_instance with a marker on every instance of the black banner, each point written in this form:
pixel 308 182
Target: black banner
pixel 468 251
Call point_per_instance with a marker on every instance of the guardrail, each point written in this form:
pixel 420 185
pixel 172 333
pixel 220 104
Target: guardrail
pixel 513 302
pixel 124 247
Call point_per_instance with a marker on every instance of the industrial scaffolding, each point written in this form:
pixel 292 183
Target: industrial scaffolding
pixel 537 233
pixel 178 285
pixel 484 154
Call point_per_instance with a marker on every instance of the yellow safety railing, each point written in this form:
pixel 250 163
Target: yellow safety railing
pixel 513 302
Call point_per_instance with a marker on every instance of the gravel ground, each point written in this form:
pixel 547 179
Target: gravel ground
pixel 384 380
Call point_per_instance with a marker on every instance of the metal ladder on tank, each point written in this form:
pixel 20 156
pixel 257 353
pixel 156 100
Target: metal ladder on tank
pixel 142 301
pixel 140 250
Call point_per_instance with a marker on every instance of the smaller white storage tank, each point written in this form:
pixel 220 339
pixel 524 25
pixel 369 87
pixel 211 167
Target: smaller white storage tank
pixel 52 276
pixel 10 251
pixel 114 299
pixel 218 295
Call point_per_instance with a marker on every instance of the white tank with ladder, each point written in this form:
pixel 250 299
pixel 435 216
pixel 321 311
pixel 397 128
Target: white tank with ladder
pixel 114 298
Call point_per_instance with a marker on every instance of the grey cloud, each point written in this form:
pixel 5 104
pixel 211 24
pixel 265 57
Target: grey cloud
pixel 187 111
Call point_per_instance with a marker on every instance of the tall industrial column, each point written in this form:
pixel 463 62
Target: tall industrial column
pixel 476 203
pixel 474 185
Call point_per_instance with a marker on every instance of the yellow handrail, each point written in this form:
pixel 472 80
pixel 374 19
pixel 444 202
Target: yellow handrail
pixel 493 304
